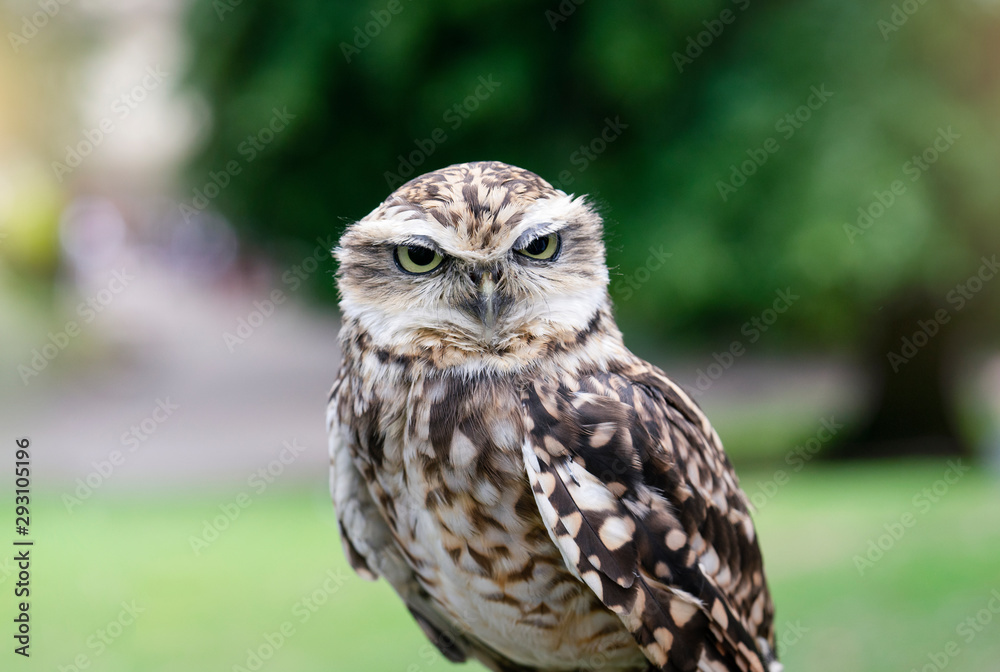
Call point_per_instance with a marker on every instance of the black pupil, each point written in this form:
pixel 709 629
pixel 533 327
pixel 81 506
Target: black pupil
pixel 537 246
pixel 421 256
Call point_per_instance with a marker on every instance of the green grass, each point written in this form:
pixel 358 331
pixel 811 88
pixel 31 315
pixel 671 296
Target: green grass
pixel 203 612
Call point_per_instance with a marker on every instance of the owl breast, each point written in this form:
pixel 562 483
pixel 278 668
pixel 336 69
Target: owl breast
pixel 450 481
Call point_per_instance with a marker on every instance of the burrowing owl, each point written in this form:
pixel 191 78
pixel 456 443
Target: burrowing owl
pixel 539 497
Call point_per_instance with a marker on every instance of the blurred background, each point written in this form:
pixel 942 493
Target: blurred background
pixel 801 211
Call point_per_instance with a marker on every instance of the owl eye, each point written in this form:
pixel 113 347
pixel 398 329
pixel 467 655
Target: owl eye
pixel 416 259
pixel 543 248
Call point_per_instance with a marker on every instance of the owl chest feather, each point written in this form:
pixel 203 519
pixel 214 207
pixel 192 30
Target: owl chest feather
pixel 448 474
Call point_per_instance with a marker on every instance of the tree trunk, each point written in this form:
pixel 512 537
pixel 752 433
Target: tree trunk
pixel 912 410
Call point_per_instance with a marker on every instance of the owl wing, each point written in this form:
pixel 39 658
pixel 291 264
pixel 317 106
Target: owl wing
pixel 364 534
pixel 635 491
pixel 367 539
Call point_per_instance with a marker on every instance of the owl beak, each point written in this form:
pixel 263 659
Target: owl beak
pixel 488 300
pixel 486 304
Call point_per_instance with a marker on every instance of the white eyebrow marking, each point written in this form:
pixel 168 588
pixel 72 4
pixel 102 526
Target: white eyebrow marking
pixel 537 231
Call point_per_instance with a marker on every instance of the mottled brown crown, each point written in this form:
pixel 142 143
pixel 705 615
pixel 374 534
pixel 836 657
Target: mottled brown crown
pixel 480 197
pixel 464 183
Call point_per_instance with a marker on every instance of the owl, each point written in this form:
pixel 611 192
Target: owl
pixel 539 497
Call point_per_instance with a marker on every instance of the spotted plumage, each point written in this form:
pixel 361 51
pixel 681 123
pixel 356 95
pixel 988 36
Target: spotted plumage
pixel 540 498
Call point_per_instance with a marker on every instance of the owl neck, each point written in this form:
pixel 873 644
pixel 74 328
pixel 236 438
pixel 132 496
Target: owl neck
pixel 596 347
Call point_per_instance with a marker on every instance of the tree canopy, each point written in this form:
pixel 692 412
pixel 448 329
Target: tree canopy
pixel 842 151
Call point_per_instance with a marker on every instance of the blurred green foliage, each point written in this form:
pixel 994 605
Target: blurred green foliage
pixel 696 90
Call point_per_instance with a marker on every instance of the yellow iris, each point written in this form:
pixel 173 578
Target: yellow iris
pixel 416 259
pixel 542 248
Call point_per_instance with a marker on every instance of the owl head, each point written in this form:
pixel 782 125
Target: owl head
pixel 481 261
